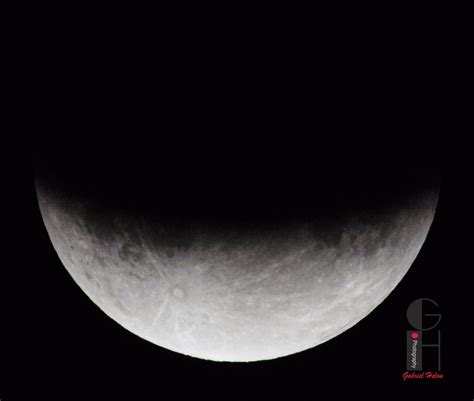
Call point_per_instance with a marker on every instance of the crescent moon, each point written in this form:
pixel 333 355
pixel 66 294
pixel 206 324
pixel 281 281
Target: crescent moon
pixel 235 294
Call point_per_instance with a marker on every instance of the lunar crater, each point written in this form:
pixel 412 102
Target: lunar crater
pixel 178 293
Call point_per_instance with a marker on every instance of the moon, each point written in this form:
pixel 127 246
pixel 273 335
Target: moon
pixel 236 292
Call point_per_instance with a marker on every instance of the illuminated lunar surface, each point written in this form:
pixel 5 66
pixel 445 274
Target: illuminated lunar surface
pixel 235 294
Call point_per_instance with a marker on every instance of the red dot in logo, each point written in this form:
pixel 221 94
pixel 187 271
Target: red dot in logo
pixel 414 335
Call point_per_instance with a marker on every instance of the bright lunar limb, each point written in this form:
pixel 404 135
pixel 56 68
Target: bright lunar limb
pixel 235 294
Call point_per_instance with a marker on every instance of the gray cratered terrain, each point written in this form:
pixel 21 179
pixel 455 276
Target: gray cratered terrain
pixel 235 294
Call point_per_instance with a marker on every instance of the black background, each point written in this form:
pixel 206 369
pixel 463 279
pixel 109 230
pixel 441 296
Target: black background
pixel 399 85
